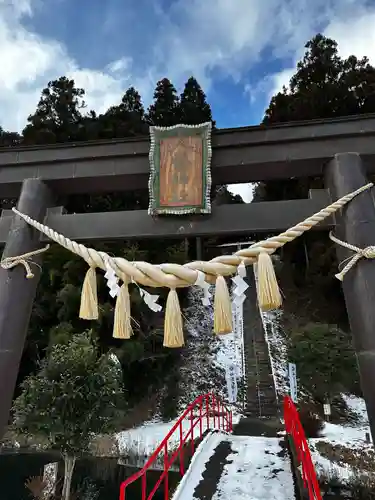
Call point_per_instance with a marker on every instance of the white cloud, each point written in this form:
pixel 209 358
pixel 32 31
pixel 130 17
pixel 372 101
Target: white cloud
pixel 355 35
pixel 102 89
pixel 29 61
pixel 120 65
pixel 17 8
pixel 231 37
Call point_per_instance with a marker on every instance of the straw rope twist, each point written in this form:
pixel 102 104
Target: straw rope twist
pixel 10 262
pixel 175 275
pixel 367 253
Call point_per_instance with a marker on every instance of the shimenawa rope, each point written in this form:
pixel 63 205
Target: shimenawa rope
pixel 175 275
pixel 367 253
pixel 10 262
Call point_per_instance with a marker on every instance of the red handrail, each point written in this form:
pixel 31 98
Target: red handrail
pixel 294 428
pixel 211 410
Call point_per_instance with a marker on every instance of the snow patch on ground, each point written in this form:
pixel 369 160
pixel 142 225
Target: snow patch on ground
pixel 277 348
pixel 352 437
pixel 206 355
pixel 199 371
pixel 358 406
pixel 258 469
pixel 145 439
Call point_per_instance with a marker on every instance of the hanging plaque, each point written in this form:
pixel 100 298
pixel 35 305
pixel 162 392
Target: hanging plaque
pixel 180 170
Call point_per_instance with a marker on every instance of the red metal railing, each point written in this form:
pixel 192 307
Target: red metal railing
pixel 205 412
pixel 294 428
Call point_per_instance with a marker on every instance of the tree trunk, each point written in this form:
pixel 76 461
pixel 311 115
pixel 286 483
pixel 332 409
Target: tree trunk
pixel 69 463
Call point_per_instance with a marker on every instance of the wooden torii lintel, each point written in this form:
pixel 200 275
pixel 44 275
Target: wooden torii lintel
pixel 225 220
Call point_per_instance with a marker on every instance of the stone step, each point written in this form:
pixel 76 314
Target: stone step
pixel 261 393
pixel 214 468
pixel 263 412
pixel 265 391
pixel 262 390
pixel 264 401
pixel 255 406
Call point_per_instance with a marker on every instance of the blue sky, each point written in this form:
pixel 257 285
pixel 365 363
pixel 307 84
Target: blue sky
pixel 241 51
pixel 95 37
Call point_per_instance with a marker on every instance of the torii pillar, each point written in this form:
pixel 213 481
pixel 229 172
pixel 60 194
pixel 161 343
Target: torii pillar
pixel 16 292
pixel 355 224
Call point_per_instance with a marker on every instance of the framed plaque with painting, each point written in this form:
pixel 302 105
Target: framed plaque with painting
pixel 180 170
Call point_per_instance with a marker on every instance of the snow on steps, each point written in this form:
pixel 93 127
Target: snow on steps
pixel 256 468
pixel 193 476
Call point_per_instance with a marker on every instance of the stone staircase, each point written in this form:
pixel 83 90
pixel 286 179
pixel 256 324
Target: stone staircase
pixel 254 426
pixel 261 391
pixel 261 400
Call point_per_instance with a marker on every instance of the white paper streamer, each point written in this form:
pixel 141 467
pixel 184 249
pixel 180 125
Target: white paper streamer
pixel 237 315
pixel 150 300
pixel 202 283
pixel 112 281
pixel 238 299
pixel 241 286
pixel 241 270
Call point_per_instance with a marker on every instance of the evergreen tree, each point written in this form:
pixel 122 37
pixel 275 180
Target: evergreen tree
pixel 58 115
pixel 76 394
pixel 126 119
pixel 324 86
pixel 9 138
pixel 194 108
pixel 132 102
pixel 165 110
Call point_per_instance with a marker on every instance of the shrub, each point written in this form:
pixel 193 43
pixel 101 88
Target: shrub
pixel 362 487
pixel 311 423
pixel 326 364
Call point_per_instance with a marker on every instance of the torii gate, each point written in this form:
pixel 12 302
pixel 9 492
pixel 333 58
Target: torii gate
pixel 40 175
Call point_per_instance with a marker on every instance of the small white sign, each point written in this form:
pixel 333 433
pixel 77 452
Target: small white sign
pixel 231 379
pixel 292 370
pixel 327 409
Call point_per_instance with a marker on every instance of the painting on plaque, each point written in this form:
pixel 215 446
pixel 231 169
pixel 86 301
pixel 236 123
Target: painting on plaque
pixel 180 170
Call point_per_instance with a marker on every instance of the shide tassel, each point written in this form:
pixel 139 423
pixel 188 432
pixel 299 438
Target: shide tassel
pixel 122 328
pixel 269 296
pixel 222 308
pixel 89 297
pixel 173 326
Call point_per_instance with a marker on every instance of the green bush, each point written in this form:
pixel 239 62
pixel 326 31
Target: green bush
pixel 312 424
pixel 325 359
pixel 359 487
